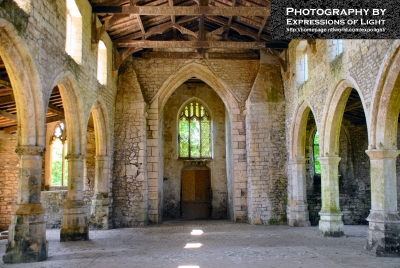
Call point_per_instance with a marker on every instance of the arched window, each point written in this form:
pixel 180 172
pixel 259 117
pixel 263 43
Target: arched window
pixel 194 131
pixel 59 165
pixel 335 48
pixel 73 42
pixel 317 165
pixel 102 63
pixel 301 63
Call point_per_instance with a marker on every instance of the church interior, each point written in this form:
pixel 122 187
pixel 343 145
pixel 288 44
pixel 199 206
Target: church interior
pixel 129 113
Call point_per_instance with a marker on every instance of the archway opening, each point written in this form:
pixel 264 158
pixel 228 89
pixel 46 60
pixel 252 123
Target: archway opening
pixel 191 93
pixel 8 142
pixel 354 166
pixel 313 170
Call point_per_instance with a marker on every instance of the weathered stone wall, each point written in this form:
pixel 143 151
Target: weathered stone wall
pixel 8 177
pixel 40 31
pixel 129 174
pixel 173 165
pixel 398 169
pixel 354 180
pixel 267 180
pixel 53 202
pixel 359 63
pixel 90 168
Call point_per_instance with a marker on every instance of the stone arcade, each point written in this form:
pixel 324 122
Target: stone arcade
pixel 117 113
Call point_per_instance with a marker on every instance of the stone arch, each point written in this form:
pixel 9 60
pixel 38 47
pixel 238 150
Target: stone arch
pixel 334 109
pixel 73 108
pixel 298 130
pixel 99 216
pixel 298 211
pixel 26 86
pixel 101 123
pixel 203 73
pixel 386 103
pixel 27 238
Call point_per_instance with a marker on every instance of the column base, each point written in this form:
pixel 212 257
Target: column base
pixel 99 211
pixel 330 225
pixel 383 236
pixel 299 216
pixel 27 235
pixel 74 222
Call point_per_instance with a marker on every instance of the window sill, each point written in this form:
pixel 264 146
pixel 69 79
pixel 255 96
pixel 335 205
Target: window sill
pixel 58 188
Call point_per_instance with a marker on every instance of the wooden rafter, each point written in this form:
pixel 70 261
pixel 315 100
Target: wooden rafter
pixel 55 109
pixel 119 58
pixel 230 20
pixel 194 55
pixel 192 44
pixel 183 10
pixel 262 27
pixel 8 115
pixel 353 106
pixel 5 83
pixel 240 29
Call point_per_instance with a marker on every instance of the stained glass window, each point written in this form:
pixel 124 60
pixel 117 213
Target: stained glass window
pixel 194 131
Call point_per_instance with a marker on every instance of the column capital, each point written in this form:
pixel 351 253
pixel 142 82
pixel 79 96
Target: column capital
pixel 380 154
pixel 30 150
pixel 297 160
pixel 329 160
pixel 75 157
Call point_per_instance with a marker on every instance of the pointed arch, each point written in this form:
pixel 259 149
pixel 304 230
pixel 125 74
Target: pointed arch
pixel 386 102
pixel 298 130
pixel 101 127
pixel 26 86
pixel 73 108
pixel 333 115
pixel 201 72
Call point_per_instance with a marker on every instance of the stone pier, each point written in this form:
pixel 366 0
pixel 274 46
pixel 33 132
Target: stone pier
pixel 27 231
pixel 75 222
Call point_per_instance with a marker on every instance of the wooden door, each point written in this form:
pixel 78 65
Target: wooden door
pixel 196 201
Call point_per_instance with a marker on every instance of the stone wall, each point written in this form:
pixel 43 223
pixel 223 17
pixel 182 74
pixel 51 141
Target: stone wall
pixel 359 65
pixel 53 202
pixel 173 165
pixel 266 157
pixel 141 81
pixel 90 168
pixel 129 174
pixel 354 177
pixel 8 177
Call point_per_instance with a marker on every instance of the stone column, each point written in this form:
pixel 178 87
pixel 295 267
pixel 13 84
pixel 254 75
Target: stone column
pixel 75 221
pixel 383 236
pixel 330 223
pixel 27 231
pixel 100 200
pixel 298 205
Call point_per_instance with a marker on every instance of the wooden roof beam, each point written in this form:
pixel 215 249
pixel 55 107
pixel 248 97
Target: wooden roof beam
pixel 353 106
pixel 55 110
pixel 5 83
pixel 7 100
pixel 8 115
pixel 192 44
pixel 262 27
pixel 184 10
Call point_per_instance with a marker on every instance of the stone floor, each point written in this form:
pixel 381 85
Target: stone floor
pixel 222 244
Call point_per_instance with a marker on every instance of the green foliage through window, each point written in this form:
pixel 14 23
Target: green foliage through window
pixel 194 132
pixel 317 165
pixel 59 166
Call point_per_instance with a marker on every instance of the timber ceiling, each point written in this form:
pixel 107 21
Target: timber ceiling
pixel 8 109
pixel 193 28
